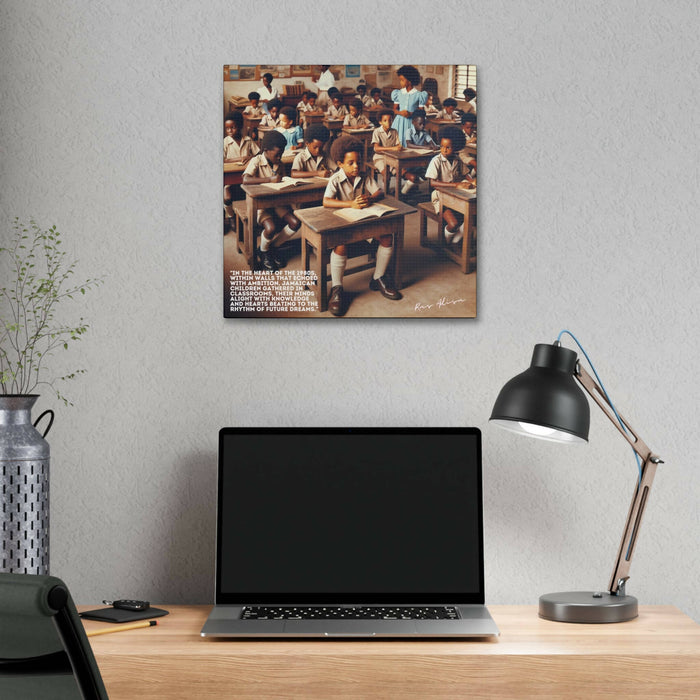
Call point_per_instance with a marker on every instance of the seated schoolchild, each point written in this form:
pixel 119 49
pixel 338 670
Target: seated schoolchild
pixel 430 107
pixel 469 129
pixel 362 95
pixel 447 170
pixel 289 129
pixel 376 98
pixel 449 111
pixel 384 138
pixel 337 108
pixel 312 106
pixel 271 119
pixel 303 104
pixel 347 188
pixel 312 161
pixel 236 148
pixel 417 136
pixel 279 223
pixel 254 109
pixel 355 118
pixel 470 99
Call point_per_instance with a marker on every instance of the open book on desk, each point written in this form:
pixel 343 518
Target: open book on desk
pixel 286 182
pixel 366 213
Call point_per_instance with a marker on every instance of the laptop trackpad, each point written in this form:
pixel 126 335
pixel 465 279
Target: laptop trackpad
pixel 350 628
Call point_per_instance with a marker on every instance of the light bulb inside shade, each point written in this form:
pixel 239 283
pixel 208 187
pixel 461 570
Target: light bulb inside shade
pixel 538 431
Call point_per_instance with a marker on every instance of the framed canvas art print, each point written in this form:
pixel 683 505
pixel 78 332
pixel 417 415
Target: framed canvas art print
pixel 351 196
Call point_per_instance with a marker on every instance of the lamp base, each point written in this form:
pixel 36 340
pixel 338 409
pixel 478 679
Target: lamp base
pixel 587 607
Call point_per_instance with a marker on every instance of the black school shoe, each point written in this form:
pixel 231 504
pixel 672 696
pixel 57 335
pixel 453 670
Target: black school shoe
pixel 268 261
pixel 386 286
pixel 336 303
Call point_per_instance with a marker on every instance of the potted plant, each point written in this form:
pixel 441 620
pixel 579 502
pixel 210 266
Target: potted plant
pixel 40 275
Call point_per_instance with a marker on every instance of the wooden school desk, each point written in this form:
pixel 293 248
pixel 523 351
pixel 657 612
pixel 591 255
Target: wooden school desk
pixel 463 202
pixel 401 160
pixel 250 124
pixel 262 197
pixel 434 125
pixel 322 230
pixel 334 126
pixel 656 655
pixel 364 135
pixel 310 118
pixel 373 113
pixel 233 173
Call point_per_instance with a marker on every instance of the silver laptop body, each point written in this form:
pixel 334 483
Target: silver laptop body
pixel 349 532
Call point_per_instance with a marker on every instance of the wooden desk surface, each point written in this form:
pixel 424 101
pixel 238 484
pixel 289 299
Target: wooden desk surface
pixel 656 655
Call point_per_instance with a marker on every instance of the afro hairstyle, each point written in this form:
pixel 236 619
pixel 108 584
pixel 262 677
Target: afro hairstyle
pixel 317 132
pixel 273 139
pixel 290 113
pixel 454 134
pixel 411 74
pixel 343 145
pixel 235 117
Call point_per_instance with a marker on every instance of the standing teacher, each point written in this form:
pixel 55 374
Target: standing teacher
pixel 325 81
pixel 267 92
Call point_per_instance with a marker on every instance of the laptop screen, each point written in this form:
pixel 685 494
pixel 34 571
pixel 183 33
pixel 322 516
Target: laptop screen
pixel 352 515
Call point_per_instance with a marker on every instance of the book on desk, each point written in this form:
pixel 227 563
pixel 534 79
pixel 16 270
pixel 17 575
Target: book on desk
pixel 366 213
pixel 285 182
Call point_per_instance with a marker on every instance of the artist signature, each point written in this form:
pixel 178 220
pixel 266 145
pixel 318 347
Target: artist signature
pixel 443 301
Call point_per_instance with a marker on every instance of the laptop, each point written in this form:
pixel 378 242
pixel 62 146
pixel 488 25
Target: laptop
pixel 349 533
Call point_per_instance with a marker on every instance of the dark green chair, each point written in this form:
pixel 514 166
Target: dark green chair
pixel 44 652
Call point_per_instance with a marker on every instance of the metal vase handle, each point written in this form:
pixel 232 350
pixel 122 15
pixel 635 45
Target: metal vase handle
pixel 49 411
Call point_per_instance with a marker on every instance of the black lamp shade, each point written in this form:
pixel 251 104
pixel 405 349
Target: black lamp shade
pixel 545 401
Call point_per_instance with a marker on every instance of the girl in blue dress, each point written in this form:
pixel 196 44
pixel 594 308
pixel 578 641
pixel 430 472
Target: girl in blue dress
pixel 406 100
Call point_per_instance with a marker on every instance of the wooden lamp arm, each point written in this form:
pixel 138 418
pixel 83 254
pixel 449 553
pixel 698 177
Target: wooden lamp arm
pixel 639 499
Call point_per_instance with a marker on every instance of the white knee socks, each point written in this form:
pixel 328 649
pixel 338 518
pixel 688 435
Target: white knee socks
pixel 383 257
pixel 338 263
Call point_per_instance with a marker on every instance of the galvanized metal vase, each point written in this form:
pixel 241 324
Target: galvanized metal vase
pixel 24 477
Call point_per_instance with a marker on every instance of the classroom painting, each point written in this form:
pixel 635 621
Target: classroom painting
pixel 349 191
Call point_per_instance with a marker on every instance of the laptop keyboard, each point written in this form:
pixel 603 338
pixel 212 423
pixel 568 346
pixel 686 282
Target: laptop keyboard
pixel 361 612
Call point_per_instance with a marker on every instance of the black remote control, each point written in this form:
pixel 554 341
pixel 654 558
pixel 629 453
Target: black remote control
pixel 133 605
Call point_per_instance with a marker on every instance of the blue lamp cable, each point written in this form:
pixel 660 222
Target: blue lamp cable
pixel 607 397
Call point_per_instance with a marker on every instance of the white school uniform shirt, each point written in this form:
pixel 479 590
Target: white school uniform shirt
pixel 304 106
pixel 254 112
pixel 246 148
pixel 305 161
pixel 260 166
pixel 385 138
pixel 367 101
pixel 441 169
pixel 267 120
pixel 336 112
pixel 359 120
pixel 340 187
pixel 455 117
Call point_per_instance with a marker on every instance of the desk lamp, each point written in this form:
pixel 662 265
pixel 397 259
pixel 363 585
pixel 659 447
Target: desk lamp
pixel 546 402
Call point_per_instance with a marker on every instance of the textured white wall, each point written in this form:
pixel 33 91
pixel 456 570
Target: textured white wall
pixel 588 142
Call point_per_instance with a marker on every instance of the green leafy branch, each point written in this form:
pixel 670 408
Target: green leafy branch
pixel 29 332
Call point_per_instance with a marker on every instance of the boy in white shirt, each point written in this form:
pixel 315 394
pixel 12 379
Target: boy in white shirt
pixel 447 170
pixel 347 188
